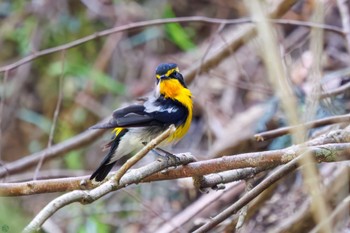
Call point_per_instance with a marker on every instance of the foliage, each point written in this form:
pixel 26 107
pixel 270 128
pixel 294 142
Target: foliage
pixel 234 99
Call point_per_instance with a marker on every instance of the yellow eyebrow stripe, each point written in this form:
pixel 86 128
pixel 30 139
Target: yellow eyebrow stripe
pixel 169 72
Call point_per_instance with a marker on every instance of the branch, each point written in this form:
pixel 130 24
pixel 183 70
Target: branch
pixel 249 196
pixel 343 7
pixel 50 153
pixel 126 27
pixel 151 145
pixel 82 139
pixel 86 197
pixel 308 125
pixel 336 91
pixel 279 11
pixel 247 165
pixel 30 160
pixel 324 153
pixel 241 38
pixel 55 117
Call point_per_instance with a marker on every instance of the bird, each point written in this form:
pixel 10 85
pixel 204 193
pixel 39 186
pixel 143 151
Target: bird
pixel 135 125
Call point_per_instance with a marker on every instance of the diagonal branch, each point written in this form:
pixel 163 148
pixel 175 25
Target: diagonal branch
pixel 236 42
pixel 308 125
pixel 126 27
pixel 249 196
pixel 86 197
pixel 151 145
pixel 31 160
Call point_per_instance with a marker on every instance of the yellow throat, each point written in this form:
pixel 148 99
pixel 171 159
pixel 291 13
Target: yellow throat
pixel 172 88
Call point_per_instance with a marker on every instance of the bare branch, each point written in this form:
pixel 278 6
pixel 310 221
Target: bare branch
pixel 209 63
pixel 55 117
pixel 86 137
pixel 343 6
pixel 246 164
pixel 337 91
pixel 271 179
pixel 2 104
pixel 126 27
pixel 86 197
pixel 151 145
pixel 53 152
pixel 343 206
pixel 308 125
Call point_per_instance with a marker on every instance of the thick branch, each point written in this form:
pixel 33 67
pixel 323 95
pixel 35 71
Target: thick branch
pixel 246 34
pixel 86 197
pixel 324 153
pixel 259 160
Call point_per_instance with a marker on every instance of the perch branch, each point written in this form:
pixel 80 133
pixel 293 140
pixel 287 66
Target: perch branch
pixel 28 161
pixel 256 161
pixel 86 197
pixel 151 145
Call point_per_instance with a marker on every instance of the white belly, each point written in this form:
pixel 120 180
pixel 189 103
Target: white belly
pixel 133 141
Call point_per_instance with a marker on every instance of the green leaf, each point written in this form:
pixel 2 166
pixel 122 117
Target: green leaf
pixel 93 224
pixel 12 216
pixel 35 118
pixel 73 160
pixel 102 81
pixel 177 34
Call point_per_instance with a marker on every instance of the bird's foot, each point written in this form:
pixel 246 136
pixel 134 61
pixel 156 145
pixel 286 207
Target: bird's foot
pixel 172 160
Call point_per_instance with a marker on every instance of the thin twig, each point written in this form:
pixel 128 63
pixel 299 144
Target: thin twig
pixel 55 117
pixel 86 197
pixel 307 24
pixel 120 29
pixel 151 145
pixel 343 206
pixel 215 179
pixel 155 22
pixel 202 206
pixel 278 78
pixel 2 104
pixel 340 90
pixel 343 6
pixel 86 137
pixel 31 160
pixel 274 177
pixel 308 125
pixel 243 212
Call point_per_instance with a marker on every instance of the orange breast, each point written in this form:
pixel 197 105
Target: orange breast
pixel 173 89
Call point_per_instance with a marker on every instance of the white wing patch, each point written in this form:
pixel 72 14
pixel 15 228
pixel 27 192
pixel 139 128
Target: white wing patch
pixel 150 107
pixel 170 110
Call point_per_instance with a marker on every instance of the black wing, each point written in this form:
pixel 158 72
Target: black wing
pixel 106 165
pixel 166 112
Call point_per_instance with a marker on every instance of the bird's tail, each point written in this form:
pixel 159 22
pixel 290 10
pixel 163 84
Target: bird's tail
pixel 107 163
pixel 102 171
